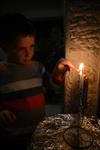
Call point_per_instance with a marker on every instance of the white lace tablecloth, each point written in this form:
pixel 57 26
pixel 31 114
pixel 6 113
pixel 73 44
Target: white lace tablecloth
pixel 49 134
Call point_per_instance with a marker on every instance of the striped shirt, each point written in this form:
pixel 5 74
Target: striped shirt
pixel 21 91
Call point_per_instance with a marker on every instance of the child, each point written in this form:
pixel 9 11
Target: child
pixel 21 82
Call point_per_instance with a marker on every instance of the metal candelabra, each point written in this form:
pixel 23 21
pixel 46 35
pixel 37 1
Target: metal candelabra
pixel 76 136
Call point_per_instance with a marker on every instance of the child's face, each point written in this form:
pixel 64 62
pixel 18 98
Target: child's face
pixel 24 50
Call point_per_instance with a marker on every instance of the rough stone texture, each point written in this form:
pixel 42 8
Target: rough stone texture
pixel 82 44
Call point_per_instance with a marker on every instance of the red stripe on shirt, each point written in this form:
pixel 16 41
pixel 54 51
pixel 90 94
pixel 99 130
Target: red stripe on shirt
pixel 26 103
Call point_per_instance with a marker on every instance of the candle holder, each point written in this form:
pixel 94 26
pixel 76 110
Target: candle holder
pixel 76 136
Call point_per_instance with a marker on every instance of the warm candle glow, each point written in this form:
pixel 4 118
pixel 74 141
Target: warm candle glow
pixel 81 73
pixel 82 70
pixel 81 67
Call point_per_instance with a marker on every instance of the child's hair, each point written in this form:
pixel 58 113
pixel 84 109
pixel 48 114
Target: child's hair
pixel 12 26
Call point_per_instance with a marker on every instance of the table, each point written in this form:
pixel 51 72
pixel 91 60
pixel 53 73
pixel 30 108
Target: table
pixel 49 134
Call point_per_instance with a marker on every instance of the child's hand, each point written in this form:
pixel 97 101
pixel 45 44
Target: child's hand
pixel 6 118
pixel 64 65
pixel 61 67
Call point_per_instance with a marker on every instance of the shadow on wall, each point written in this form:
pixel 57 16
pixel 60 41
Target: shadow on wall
pixel 50 41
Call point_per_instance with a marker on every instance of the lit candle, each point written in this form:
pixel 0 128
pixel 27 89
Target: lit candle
pixel 81 67
pixel 82 73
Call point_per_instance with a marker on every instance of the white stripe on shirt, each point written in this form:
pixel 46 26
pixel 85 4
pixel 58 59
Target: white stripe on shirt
pixel 20 85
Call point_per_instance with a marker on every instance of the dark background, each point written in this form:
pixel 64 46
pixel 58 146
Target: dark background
pixel 33 8
pixel 50 41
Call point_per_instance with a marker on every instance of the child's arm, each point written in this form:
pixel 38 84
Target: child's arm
pixel 6 117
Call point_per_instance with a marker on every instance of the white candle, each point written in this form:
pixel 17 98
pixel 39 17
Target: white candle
pixel 81 71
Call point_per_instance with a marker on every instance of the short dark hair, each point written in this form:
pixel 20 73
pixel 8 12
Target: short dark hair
pixel 13 25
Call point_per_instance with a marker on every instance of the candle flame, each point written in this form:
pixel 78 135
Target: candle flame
pixel 82 70
pixel 81 66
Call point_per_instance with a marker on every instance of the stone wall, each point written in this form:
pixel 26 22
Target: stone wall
pixel 82 44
